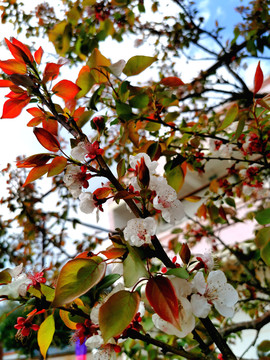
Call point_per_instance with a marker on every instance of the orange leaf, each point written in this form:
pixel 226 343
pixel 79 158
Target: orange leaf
pixel 66 89
pixel 13 108
pixel 102 193
pixel 46 139
pixel 6 83
pixel 35 112
pixel 13 67
pixel 51 71
pixel 258 79
pixel 57 166
pixel 34 160
pixel 36 173
pixel 172 81
pixel 50 125
pixel 202 211
pixel 162 297
pixel 193 198
pixel 38 55
pixel 114 253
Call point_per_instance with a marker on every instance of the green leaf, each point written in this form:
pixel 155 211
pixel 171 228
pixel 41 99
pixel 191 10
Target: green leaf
pixel 264 346
pixel 230 201
pixel 134 262
pixel 137 64
pixel 265 253
pixel 239 130
pixel 230 117
pixel 47 291
pixel 45 335
pixel 263 216
pixel 77 277
pixel 95 98
pixel 5 277
pixel 175 178
pixel 178 272
pixel 123 110
pixel 139 101
pixel 84 118
pixel 117 313
pixel 262 237
pixel 108 281
pixel 121 168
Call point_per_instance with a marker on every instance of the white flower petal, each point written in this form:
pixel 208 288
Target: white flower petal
pixel 199 283
pixel 94 342
pixel 181 286
pixel 139 231
pixel 216 279
pixel 200 306
pixel 87 204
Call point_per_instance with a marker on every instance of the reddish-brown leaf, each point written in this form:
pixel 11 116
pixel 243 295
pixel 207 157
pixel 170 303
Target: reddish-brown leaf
pixel 51 71
pixel 50 125
pixel 13 108
pixel 57 165
pixel 38 55
pixel 66 89
pixel 46 139
pixel 172 81
pixel 258 79
pixel 34 160
pixel 202 211
pixel 13 67
pixel 36 173
pixel 162 297
pixel 35 111
pixel 185 253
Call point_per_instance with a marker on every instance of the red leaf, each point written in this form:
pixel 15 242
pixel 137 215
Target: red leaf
pixel 102 193
pixel 66 89
pixel 13 67
pixel 162 297
pixel 36 173
pixel 258 79
pixel 113 252
pixel 34 160
pixel 172 81
pixel 38 55
pixel 5 83
pixel 46 139
pixel 35 112
pixel 50 125
pixel 19 50
pixel 13 108
pixel 51 71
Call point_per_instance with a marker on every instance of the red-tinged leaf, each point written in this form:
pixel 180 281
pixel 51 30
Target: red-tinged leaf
pixel 258 79
pixel 34 160
pixel 13 108
pixel 45 335
pixel 66 89
pixel 76 278
pixel 35 112
pixel 102 193
pixel 38 55
pixel 46 139
pixel 202 211
pixel 172 81
pixel 222 213
pixel 50 125
pixel 57 165
pixel 114 253
pixel 34 122
pixel 162 297
pixel 51 71
pixel 185 253
pixel 25 50
pixel 193 198
pixel 19 95
pixel 36 173
pixel 6 83
pixel 117 313
pixel 13 67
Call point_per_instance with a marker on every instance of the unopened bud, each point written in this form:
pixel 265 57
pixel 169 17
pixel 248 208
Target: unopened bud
pixel 143 173
pixel 98 123
pixel 185 254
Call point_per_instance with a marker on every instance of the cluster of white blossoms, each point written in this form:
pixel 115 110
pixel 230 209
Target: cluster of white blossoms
pixel 139 231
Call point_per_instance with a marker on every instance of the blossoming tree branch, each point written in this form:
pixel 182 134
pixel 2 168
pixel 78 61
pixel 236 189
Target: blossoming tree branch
pixel 117 299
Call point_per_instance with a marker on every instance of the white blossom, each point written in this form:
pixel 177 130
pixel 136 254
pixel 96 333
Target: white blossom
pixel 87 203
pixel 215 291
pixel 207 260
pixel 182 287
pixel 139 231
pixel 187 320
pixel 72 180
pixel 18 286
pixel 79 151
